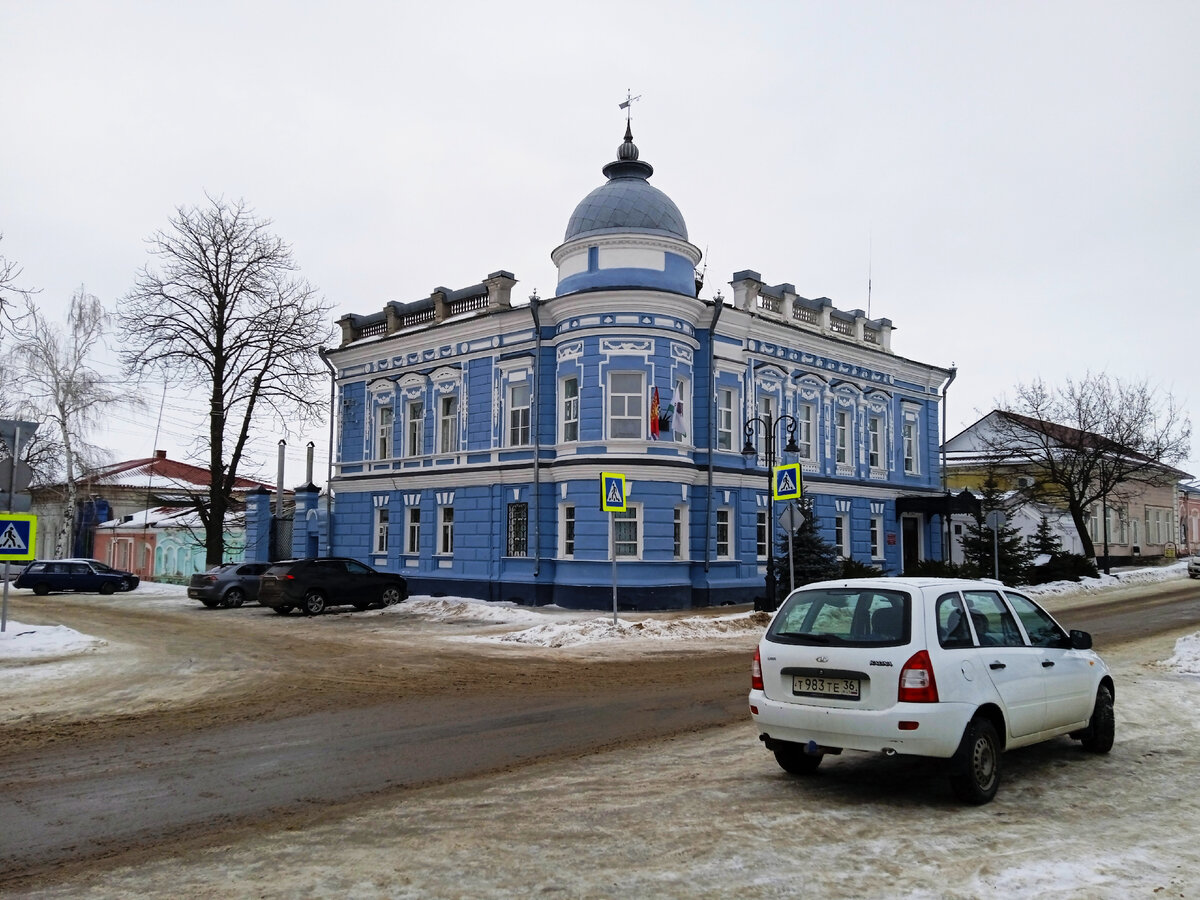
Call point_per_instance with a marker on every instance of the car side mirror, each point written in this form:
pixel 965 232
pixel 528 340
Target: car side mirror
pixel 1080 640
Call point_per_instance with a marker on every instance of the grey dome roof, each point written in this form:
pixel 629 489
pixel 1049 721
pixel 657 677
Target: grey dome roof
pixel 627 202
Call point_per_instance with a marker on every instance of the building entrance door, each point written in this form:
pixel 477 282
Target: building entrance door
pixel 910 540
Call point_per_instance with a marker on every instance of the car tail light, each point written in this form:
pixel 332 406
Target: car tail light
pixel 917 684
pixel 756 681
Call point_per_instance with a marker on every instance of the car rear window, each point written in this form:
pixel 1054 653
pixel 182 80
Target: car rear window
pixel 845 616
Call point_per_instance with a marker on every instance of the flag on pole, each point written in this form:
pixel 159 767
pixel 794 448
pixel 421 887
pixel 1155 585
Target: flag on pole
pixel 654 414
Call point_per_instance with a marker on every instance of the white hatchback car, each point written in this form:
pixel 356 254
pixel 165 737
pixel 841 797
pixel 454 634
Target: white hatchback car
pixel 938 667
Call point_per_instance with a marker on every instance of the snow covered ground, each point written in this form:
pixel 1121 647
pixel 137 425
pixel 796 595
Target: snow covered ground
pixel 710 815
pixel 546 626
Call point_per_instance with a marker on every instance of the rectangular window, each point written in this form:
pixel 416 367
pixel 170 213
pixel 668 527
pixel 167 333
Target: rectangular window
pixel 383 443
pixel 843 436
pixel 841 535
pixel 678 413
pixel 678 532
pixel 626 405
pixel 414 530
pixel 381 529
pixel 724 419
pixel 766 411
pixel 518 530
pixel 874 442
pixel 625 535
pixel 760 534
pixel 877 537
pixel 446 530
pixel 416 427
pixel 568 531
pixel 724 534
pixel 518 414
pixel 911 461
pixel 448 434
pixel 570 409
pixel 804 431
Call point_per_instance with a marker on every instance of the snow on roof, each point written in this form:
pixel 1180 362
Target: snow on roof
pixel 162 474
pixel 166 517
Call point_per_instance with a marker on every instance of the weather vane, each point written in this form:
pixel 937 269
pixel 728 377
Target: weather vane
pixel 628 103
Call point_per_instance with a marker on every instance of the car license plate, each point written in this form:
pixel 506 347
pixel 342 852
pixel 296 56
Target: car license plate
pixel 816 686
pixel 193 593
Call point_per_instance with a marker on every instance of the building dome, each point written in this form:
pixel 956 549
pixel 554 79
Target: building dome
pixel 627 202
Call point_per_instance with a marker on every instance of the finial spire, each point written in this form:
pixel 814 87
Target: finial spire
pixel 627 105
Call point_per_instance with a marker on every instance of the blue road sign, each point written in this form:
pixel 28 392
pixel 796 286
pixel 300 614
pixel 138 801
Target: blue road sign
pixel 612 492
pixel 18 537
pixel 785 482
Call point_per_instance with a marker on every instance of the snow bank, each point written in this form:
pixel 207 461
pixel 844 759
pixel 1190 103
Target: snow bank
pixel 25 641
pixel 567 634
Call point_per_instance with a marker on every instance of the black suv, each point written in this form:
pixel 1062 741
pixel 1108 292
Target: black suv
pixel 310 585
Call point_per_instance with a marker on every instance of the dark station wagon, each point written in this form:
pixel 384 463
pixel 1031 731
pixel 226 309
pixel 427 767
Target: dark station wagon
pixel 88 575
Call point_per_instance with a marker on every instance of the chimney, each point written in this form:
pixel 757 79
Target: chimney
pixel 160 454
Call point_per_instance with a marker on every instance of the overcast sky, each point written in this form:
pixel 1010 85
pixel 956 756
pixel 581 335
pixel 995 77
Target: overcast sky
pixel 1020 181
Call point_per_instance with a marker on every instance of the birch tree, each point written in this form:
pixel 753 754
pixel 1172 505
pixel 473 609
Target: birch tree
pixel 68 394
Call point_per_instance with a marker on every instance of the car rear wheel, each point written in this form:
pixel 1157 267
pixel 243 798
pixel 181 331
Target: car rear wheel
pixel 282 610
pixel 1102 727
pixel 314 603
pixel 107 588
pixel 977 763
pixel 125 585
pixel 795 761
pixel 390 597
pixel 234 597
pixel 41 589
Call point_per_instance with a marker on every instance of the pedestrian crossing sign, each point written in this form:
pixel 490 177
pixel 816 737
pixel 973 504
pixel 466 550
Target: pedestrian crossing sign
pixel 785 482
pixel 612 492
pixel 18 537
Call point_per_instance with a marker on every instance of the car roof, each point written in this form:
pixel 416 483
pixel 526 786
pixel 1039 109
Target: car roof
pixel 904 583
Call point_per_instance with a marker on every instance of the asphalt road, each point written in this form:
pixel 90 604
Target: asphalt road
pixel 69 804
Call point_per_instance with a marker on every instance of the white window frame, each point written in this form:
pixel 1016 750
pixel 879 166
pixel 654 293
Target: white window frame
pixel 679 532
pixel 413 527
pixel 877 538
pixel 385 426
pixel 762 533
pixel 725 406
pixel 445 531
pixel 679 417
pixel 632 513
pixel 381 531
pixel 414 429
pixel 566 531
pixel 627 409
pixel 911 442
pixel 448 424
pixel 570 409
pixel 724 534
pixel 841 534
pixel 520 433
pixel 804 431
pixel 875 442
pixel 841 420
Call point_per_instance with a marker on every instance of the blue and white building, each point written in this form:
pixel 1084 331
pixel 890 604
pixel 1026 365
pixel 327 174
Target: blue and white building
pixel 472 430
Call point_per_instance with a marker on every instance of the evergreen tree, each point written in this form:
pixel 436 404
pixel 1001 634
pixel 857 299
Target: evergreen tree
pixel 1044 540
pixel 812 557
pixel 982 548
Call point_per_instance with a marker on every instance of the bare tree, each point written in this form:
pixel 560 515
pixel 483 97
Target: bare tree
pixel 1090 441
pixel 68 394
pixel 9 273
pixel 226 312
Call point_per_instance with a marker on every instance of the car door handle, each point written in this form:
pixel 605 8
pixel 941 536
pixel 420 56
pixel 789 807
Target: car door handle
pixel 1047 663
pixel 997 665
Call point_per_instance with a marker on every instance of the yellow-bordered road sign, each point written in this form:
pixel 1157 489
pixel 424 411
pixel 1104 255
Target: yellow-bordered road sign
pixel 612 492
pixel 18 537
pixel 785 482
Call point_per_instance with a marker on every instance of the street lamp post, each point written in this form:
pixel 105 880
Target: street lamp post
pixel 769 427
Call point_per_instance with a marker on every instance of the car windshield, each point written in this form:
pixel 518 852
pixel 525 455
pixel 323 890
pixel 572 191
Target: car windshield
pixel 846 616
